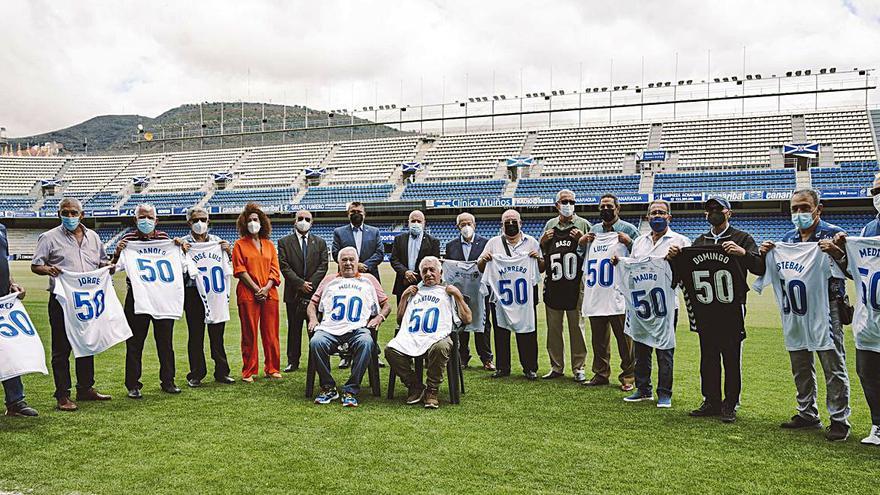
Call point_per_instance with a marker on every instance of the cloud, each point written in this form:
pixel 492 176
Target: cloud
pixel 67 62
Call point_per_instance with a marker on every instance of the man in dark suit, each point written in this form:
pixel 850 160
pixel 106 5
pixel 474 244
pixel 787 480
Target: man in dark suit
pixel 362 237
pixel 303 261
pixel 408 251
pixel 467 247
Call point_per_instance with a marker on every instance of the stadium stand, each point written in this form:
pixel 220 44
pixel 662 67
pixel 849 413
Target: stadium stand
pixel 450 190
pixel 734 180
pixel 581 186
pixel 102 201
pixel 278 166
pixel 142 166
pixel 847 175
pixel 20 174
pixel 265 197
pixel 766 226
pixel 343 194
pixel 87 174
pixel 370 160
pixel 11 203
pixel 589 150
pixel 191 170
pixel 475 156
pixel 849 134
pixel 165 200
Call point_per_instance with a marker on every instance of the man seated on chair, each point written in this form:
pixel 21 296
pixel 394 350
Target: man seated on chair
pixel 351 304
pixel 427 314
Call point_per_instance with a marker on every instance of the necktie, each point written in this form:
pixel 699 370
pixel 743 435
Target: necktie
pixel 305 252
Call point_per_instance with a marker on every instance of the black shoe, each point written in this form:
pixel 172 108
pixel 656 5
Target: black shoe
pixel 837 432
pixel 798 422
pixel 344 363
pixel 596 381
pixel 193 383
pixel 227 380
pixel 381 364
pixel 530 375
pixel 291 368
pixel 728 415
pixel 135 393
pixel 706 409
pixel 500 374
pixel 552 375
pixel 171 389
pixel 21 408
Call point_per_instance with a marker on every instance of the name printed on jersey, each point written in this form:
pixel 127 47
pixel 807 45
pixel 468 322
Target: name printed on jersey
pixel 21 351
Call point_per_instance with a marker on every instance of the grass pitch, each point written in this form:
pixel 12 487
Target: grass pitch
pixel 506 436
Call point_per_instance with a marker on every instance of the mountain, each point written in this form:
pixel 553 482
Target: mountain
pixel 113 133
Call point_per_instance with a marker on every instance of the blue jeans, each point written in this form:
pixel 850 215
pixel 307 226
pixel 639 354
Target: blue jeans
pixel 362 347
pixel 14 390
pixel 643 369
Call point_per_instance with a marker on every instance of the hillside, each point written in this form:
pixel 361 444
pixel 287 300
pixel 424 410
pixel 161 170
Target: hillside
pixel 112 133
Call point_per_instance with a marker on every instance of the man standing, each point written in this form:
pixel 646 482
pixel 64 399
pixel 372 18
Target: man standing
pixel 563 286
pixel 609 212
pixel 722 341
pixel 809 227
pixel 72 247
pixel 364 238
pixel 13 388
pixel 303 261
pixel 408 251
pixel 467 247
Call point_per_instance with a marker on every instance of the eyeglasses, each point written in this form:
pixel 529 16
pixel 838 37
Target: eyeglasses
pixel 304 218
pixel 658 213
pixel 566 201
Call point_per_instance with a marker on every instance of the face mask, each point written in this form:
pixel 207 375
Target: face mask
pixel 877 203
pixel 303 226
pixel 802 220
pixel 146 225
pixel 511 229
pixel 70 223
pixel 658 224
pixel 467 232
pixel 415 229
pixel 566 210
pixel 199 227
pixel 356 219
pixel 717 218
pixel 606 215
pixel 253 226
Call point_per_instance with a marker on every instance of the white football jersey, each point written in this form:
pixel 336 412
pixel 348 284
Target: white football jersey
pixel 650 301
pixel 466 276
pixel 799 275
pixel 431 315
pixel 347 304
pixel 510 283
pixel 93 316
pixel 209 267
pixel 155 270
pixel 601 297
pixel 21 351
pixel 863 257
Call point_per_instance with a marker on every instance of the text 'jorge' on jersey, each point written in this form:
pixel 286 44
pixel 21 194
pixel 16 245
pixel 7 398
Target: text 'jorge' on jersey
pixel 21 350
pixel 647 286
pixel 863 257
pixel 714 290
pixel 431 315
pixel 601 296
pixel 155 271
pixel 798 273
pixel 510 282
pixel 93 316
pixel 562 280
pixel 466 276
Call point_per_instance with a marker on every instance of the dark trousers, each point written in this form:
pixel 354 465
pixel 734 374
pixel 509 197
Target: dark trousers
pixel 163 332
pixel 13 389
pixel 194 309
pixel 85 366
pixel 643 369
pixel 482 341
pixel 713 352
pixel 526 346
pixel 868 368
pixel 296 319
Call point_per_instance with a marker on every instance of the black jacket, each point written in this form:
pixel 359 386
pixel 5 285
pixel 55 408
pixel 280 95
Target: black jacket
pixel 400 258
pixel 752 261
pixel 290 260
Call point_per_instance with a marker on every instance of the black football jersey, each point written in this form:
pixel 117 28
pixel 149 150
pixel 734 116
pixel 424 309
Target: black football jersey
pixel 562 282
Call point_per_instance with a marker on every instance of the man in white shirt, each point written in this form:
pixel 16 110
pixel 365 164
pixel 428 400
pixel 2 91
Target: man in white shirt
pixel 427 314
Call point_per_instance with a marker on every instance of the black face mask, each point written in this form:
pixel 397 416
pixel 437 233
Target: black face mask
pixel 356 219
pixel 716 218
pixel 511 229
pixel 606 215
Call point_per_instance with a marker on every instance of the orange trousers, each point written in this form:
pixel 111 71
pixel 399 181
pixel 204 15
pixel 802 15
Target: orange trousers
pixel 263 317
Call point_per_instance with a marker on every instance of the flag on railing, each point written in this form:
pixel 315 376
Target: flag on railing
pixel 313 172
pixel 520 161
pixel 806 150
pixel 140 181
pixel 411 167
pixel 222 176
pixel 50 183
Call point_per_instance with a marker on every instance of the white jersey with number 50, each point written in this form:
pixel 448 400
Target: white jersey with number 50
pixel 510 283
pixel 155 271
pixel 650 301
pixel 430 316
pixel 601 297
pixel 347 304
pixel 21 351
pixel 863 255
pixel 210 268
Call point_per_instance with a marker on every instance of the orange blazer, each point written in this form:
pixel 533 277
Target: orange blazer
pixel 262 267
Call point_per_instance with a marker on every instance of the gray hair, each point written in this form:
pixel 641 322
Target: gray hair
pixel 144 206
pixel 463 216
pixel 71 201
pixel 348 249
pixel 660 202
pixel 430 260
pixel 192 210
pixel 809 191
pixel 565 191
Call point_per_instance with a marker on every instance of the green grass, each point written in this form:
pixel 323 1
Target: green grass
pixel 507 436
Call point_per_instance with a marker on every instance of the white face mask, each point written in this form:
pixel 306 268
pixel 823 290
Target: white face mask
pixel 253 226
pixel 199 227
pixel 467 232
pixel 877 203
pixel 566 210
pixel 303 226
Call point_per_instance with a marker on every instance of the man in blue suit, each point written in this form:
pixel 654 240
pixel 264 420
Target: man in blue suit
pixel 467 247
pixel 365 238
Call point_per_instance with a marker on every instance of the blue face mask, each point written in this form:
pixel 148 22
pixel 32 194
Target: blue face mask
pixel 70 223
pixel 802 220
pixel 415 229
pixel 658 224
pixel 146 225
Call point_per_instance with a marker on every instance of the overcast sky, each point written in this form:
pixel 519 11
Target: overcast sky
pixel 65 62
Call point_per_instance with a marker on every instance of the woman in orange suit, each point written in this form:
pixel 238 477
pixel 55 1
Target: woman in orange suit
pixel 255 265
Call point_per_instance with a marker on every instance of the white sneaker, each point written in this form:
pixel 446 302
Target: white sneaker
pixel 873 438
